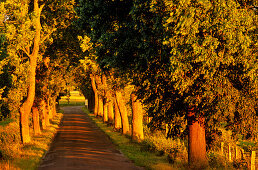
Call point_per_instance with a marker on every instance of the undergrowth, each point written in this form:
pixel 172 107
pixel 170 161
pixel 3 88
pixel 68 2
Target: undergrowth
pixel 15 155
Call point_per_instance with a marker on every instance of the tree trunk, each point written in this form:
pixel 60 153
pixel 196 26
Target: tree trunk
pixel 100 106
pixel 45 118
pixel 137 122
pixel 118 120
pixel 110 111
pixel 196 141
pixel 93 83
pixel 36 125
pixel 123 112
pixel 53 106
pixel 49 108
pixel 105 112
pixel 27 105
pixel 91 101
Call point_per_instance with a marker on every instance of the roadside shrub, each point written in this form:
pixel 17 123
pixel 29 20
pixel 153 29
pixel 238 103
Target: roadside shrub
pixel 174 148
pixel 9 141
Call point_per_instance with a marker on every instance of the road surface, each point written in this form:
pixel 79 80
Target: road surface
pixel 80 144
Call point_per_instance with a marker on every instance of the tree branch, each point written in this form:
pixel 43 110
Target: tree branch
pixel 26 52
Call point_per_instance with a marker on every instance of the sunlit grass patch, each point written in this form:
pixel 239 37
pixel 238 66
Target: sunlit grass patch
pixel 6 165
pixel 28 156
pixel 74 100
pixel 134 151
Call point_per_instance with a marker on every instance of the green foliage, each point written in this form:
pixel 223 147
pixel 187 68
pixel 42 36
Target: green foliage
pixel 180 54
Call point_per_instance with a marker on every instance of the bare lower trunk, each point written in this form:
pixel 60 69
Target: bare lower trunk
pixel 196 141
pixel 93 84
pixel 118 121
pixel 53 106
pixel 123 112
pixel 137 122
pixel 49 109
pixel 24 125
pixel 45 118
pixel 111 111
pixel 36 125
pixel 100 106
pixel 105 112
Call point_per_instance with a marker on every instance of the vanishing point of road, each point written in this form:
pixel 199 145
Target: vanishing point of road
pixel 80 145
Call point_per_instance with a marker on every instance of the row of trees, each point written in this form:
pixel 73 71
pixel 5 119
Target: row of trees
pixel 192 59
pixel 33 63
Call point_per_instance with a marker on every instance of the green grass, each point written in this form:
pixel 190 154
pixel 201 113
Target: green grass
pixel 74 101
pixel 28 156
pixel 71 103
pixel 137 152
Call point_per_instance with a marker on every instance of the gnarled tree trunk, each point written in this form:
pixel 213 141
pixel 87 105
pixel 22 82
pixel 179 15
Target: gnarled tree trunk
pixel 25 108
pixel 196 141
pixel 123 112
pixel 137 123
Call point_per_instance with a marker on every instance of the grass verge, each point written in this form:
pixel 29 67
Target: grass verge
pixel 29 155
pixel 137 152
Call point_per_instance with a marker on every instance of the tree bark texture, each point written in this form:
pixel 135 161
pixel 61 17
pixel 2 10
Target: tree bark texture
pixel 137 122
pixel 118 121
pixel 49 109
pixel 25 108
pixel 105 111
pixel 123 112
pixel 110 111
pixel 36 125
pixel 44 116
pixel 93 84
pixel 196 141
pixel 100 107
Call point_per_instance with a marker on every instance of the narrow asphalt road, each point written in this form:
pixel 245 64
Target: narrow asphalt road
pixel 80 144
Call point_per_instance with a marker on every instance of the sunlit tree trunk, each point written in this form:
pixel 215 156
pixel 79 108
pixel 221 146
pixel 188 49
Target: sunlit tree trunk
pixel 105 111
pixel 25 108
pixel 106 96
pixel 35 117
pixel 100 106
pixel 45 117
pixel 110 111
pixel 137 122
pixel 53 106
pixel 93 83
pixel 123 112
pixel 196 141
pixel 118 121
pixel 50 114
